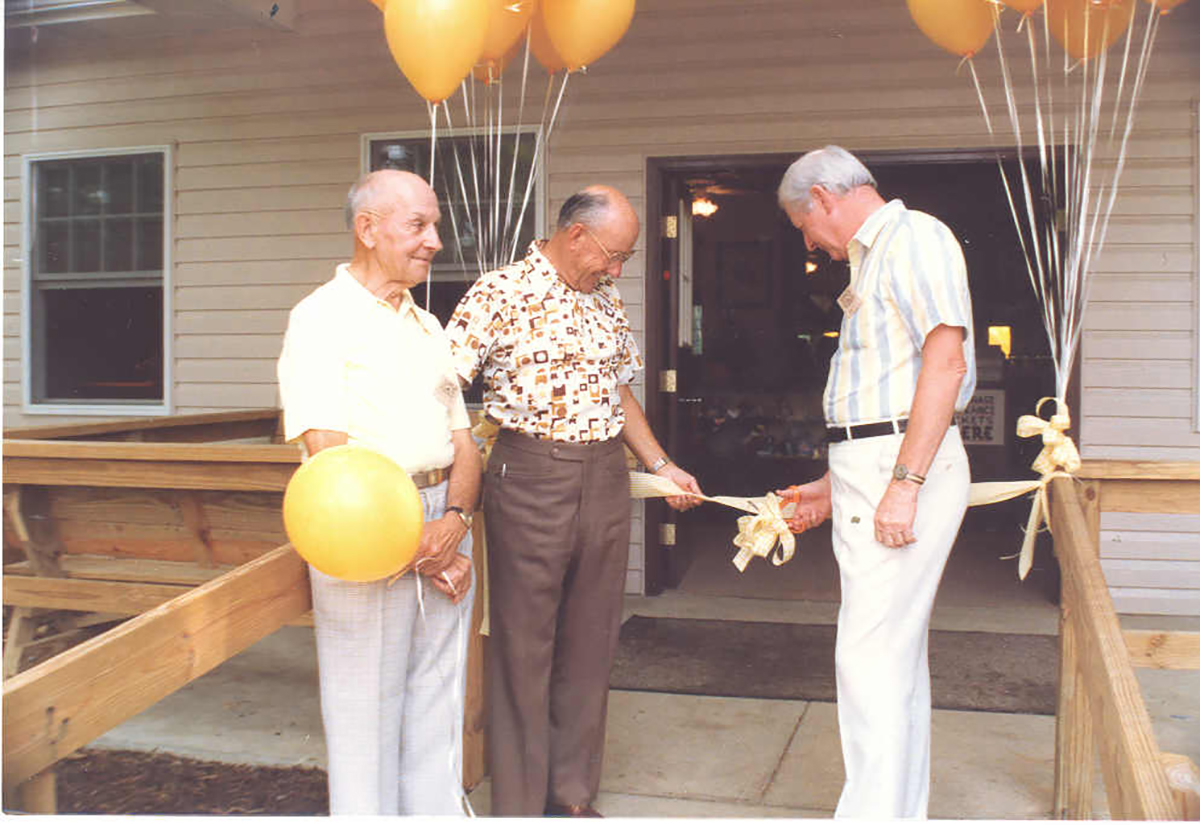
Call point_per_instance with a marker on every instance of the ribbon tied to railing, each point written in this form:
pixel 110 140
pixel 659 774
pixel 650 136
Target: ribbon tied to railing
pixel 1058 459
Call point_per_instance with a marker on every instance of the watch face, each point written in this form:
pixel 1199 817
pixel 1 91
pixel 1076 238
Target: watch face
pixel 900 472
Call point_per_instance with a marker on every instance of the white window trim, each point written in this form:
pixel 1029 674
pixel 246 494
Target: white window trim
pixel 537 199
pixel 28 406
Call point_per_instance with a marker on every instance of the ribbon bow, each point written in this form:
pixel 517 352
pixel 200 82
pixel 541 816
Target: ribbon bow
pixel 759 534
pixel 1058 450
pixel 1058 458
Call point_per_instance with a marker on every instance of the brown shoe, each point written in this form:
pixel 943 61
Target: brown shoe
pixel 554 809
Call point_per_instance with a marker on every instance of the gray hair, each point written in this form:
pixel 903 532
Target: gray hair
pixel 588 208
pixel 361 196
pixel 831 167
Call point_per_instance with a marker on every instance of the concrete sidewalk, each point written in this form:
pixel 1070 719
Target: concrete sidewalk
pixel 674 755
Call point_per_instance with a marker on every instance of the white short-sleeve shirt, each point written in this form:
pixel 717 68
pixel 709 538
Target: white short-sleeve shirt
pixel 352 363
pixel 908 272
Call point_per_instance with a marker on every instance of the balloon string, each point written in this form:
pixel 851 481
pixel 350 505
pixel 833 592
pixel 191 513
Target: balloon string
pixel 462 185
pixel 458 709
pixel 543 139
pixel 432 107
pixel 473 206
pixel 505 256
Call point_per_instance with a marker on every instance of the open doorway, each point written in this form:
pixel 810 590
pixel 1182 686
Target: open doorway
pixel 748 321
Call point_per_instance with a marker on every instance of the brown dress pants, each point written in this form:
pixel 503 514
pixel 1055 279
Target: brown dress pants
pixel 557 518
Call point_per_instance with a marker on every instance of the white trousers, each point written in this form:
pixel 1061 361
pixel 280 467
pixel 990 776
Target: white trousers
pixel 392 689
pixel 882 651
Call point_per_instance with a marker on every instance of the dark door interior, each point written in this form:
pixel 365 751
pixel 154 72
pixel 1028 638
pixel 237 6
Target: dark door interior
pixel 746 415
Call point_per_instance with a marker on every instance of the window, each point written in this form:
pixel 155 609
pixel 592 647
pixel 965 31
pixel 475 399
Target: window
pixel 96 257
pixel 472 225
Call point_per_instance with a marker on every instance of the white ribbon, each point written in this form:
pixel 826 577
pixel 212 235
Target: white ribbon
pixel 758 533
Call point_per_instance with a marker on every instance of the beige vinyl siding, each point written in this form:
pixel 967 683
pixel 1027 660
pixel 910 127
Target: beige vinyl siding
pixel 266 128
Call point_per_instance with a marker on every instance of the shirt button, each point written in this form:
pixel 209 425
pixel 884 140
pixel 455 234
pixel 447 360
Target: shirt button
pixel 554 452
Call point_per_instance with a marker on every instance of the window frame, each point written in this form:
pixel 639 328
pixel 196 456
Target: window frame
pixel 537 198
pixel 112 408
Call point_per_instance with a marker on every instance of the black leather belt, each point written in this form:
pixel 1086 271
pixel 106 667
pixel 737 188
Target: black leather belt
pixel 833 435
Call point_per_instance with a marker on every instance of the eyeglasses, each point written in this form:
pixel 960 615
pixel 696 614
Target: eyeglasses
pixel 613 257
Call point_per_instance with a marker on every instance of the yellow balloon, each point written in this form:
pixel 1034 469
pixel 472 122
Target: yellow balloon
pixel 489 71
pixel 507 20
pixel 435 42
pixel 1024 6
pixel 353 513
pixel 958 26
pixel 539 42
pixel 1085 28
pixel 584 30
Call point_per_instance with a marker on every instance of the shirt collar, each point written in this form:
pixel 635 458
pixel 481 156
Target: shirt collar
pixel 876 221
pixel 541 274
pixel 351 286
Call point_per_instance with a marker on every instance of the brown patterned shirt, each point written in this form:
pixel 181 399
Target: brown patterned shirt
pixel 552 357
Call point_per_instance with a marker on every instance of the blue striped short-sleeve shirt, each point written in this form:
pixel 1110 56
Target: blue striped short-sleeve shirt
pixel 908 271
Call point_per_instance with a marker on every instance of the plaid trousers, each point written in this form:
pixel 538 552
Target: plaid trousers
pixel 392 689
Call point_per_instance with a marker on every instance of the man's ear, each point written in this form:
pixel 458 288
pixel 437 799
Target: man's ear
pixel 364 228
pixel 822 196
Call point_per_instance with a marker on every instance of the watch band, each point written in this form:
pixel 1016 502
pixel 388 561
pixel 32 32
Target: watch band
pixel 462 514
pixel 902 473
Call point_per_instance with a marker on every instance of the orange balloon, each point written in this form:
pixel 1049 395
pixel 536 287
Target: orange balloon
pixel 382 4
pixel 507 20
pixel 958 26
pixel 584 30
pixel 539 41
pixel 1085 28
pixel 435 42
pixel 353 513
pixel 1024 6
pixel 489 71
pixel 1165 6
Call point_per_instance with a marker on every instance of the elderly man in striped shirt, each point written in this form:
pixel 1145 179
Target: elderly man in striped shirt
pixel 898 476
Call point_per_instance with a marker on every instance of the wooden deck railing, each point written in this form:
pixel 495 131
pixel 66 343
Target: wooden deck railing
pixel 1100 702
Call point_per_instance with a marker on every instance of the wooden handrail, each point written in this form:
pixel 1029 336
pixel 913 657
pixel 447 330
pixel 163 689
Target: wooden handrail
pixel 1099 692
pixel 62 704
pixel 142 425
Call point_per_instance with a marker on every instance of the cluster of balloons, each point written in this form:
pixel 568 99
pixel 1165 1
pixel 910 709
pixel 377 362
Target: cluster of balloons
pixel 437 43
pixel 353 513
pixel 1085 28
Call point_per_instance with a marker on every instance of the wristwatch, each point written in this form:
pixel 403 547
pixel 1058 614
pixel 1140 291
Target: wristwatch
pixel 466 517
pixel 902 473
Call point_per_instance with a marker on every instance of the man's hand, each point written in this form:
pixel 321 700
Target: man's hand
pixel 813 504
pixel 439 544
pixel 455 579
pixel 896 513
pixel 685 481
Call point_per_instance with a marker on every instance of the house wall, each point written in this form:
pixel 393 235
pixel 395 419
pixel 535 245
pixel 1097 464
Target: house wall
pixel 266 130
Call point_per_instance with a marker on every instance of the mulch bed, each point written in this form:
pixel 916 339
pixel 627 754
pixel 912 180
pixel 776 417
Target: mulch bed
pixel 130 782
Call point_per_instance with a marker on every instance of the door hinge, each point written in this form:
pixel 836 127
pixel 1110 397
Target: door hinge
pixel 670 226
pixel 666 381
pixel 666 535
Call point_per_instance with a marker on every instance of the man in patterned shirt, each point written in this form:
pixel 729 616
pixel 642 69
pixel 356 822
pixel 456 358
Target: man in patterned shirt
pixel 898 477
pixel 550 336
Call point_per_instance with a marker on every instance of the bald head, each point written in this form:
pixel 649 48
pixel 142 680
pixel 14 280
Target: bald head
pixel 596 206
pixel 594 237
pixel 379 191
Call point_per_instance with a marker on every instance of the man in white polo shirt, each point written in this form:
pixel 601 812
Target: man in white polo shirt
pixel 362 364
pixel 898 477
